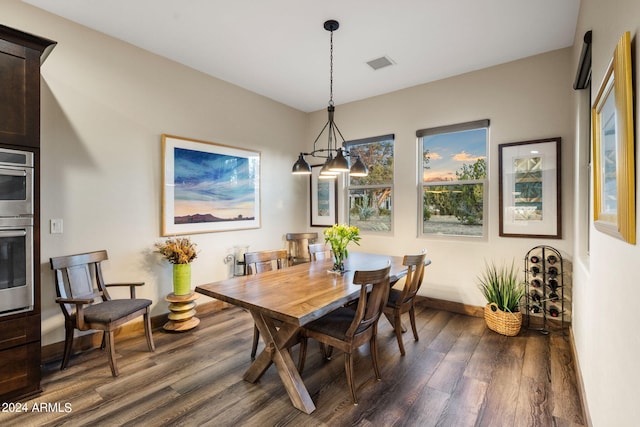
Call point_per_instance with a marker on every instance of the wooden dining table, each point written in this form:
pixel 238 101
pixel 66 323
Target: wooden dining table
pixel 294 296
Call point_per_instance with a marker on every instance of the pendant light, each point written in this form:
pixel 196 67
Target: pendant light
pixel 333 166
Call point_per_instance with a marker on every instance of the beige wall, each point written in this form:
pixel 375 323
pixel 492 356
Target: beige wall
pixel 525 100
pixel 605 327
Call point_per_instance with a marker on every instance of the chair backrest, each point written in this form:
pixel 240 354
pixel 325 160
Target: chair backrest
pixel 370 304
pixel 258 262
pixel 415 274
pixel 79 276
pixel 298 246
pixel 319 251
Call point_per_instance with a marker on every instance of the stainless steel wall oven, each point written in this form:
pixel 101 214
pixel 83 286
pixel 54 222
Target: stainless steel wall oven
pixel 16 231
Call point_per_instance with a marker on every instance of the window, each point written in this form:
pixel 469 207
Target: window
pixel 453 181
pixel 370 197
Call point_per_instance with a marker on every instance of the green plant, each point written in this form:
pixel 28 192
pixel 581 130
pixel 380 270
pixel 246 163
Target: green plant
pixel 500 285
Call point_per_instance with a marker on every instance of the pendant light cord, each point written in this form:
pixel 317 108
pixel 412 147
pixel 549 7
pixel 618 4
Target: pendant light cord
pixel 331 70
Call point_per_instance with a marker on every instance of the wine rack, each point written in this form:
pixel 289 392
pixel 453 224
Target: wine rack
pixel 545 286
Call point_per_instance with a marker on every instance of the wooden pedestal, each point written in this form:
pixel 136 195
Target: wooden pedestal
pixel 182 316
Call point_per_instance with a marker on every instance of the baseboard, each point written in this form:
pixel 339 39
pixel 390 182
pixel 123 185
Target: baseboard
pixel 581 389
pixel 53 352
pixel 454 307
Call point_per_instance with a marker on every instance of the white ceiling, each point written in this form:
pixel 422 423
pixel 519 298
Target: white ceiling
pixel 279 48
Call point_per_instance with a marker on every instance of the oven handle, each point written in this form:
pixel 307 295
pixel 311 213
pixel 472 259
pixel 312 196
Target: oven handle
pixel 13 172
pixel 13 233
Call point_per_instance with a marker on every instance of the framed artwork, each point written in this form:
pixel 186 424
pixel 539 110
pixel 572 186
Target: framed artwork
pixel 208 187
pixel 613 148
pixel 323 203
pixel 530 189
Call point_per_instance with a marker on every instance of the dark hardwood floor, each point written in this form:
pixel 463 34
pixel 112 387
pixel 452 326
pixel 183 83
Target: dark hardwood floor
pixel 458 374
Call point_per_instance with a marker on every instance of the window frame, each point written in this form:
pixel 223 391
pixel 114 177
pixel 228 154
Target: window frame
pixel 349 187
pixel 421 185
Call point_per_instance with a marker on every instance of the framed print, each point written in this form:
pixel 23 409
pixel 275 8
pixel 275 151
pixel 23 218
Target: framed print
pixel 613 148
pixel 208 187
pixel 323 194
pixel 530 189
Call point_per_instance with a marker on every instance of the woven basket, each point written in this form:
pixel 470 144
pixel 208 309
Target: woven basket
pixel 502 322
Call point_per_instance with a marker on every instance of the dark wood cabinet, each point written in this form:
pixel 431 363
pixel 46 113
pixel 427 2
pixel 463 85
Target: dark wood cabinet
pixel 21 55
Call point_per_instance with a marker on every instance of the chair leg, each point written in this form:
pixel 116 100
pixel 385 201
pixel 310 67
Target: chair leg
pixel 397 327
pixel 109 341
pixel 147 332
pixel 326 351
pixel 256 338
pixel 374 357
pixel 412 316
pixel 68 346
pixel 303 354
pixel 348 367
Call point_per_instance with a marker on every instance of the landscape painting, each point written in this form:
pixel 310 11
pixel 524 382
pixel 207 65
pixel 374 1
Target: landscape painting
pixel 208 187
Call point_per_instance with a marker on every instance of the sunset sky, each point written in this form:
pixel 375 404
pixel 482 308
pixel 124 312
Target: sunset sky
pixel 449 151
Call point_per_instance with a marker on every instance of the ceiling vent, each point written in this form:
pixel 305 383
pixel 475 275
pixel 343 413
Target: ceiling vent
pixel 383 61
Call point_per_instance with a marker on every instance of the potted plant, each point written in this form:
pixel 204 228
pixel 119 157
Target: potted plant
pixel 339 236
pixel 503 291
pixel 179 251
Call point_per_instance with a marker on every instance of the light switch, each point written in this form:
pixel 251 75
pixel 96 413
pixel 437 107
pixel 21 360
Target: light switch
pixel 56 226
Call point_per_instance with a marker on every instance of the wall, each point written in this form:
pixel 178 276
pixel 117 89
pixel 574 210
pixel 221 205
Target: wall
pixel 105 105
pixel 525 100
pixel 605 328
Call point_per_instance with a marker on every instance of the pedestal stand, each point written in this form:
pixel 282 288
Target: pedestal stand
pixel 182 316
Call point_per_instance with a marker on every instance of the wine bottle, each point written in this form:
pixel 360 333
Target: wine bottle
pixel 535 296
pixel 553 284
pixel 535 270
pixel 553 296
pixel 553 272
pixel 535 309
pixel 552 259
pixel 536 283
pixel 535 259
pixel 554 312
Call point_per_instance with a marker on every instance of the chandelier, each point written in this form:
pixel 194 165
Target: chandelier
pixel 333 165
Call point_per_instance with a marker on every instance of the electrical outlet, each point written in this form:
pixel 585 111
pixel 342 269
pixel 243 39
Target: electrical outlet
pixel 56 226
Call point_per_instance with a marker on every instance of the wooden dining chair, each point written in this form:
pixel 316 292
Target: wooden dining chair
pixel 347 329
pixel 86 304
pixel 298 246
pixel 402 301
pixel 259 262
pixel 319 251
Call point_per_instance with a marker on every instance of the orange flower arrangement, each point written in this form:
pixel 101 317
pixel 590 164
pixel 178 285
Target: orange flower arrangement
pixel 178 250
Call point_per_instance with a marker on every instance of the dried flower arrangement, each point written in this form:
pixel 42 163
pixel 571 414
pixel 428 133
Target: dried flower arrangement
pixel 178 250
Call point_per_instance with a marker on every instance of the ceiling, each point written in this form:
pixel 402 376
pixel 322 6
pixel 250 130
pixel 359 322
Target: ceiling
pixel 279 48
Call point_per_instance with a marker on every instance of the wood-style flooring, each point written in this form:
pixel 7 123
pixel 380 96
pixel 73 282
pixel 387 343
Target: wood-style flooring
pixel 458 374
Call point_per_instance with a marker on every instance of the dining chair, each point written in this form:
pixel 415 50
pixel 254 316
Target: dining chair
pixel 319 251
pixel 259 262
pixel 298 246
pixel 402 301
pixel 86 304
pixel 347 329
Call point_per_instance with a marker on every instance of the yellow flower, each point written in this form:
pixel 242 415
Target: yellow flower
pixel 339 236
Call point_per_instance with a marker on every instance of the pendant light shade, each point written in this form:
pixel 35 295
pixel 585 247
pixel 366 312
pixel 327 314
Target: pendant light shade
pixel 301 167
pixel 359 169
pixel 340 163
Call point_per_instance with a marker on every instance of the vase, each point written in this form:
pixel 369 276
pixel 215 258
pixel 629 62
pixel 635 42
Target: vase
pixel 338 261
pixel 181 279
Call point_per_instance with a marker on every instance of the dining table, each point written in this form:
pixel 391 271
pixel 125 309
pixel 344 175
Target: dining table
pixel 282 301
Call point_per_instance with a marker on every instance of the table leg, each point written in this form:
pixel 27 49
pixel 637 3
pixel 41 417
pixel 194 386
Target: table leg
pixel 277 343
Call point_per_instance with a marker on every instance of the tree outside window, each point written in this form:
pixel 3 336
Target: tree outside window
pixel 454 172
pixel 370 197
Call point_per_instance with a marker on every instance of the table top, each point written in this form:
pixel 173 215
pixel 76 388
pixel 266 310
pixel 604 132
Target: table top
pixel 301 293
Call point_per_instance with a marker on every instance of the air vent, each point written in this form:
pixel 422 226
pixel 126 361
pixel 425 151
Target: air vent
pixel 383 61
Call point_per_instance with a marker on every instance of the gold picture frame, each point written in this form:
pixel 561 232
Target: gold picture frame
pixel 613 148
